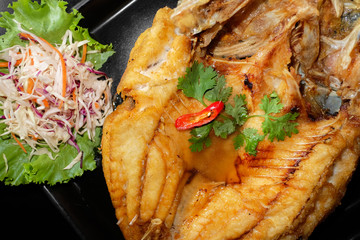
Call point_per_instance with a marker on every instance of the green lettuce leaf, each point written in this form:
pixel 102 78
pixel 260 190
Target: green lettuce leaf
pixel 49 20
pixel 42 169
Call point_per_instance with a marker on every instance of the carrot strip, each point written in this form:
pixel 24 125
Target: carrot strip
pixel 31 60
pixel 29 90
pixel 46 103
pixel 18 142
pixel 6 64
pixel 27 36
pixel 21 88
pixel 74 95
pixel 17 63
pixel 62 60
pixel 83 59
pixel 97 106
pixel 30 85
pixel 33 137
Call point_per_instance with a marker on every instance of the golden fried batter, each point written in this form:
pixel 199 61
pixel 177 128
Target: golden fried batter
pixel 162 190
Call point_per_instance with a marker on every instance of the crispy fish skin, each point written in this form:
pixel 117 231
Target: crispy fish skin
pixel 162 190
pixel 157 60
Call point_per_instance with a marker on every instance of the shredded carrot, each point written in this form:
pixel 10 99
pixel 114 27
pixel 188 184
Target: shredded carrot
pixel 6 64
pixel 83 59
pixel 63 65
pixel 74 95
pixel 30 85
pixel 33 137
pixel 21 88
pixel 46 103
pixel 17 63
pixel 30 88
pixel 97 106
pixel 28 36
pixel 31 60
pixel 18 142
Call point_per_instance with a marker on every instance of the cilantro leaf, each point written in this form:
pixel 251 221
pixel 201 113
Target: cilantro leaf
pixel 239 141
pixel 197 81
pixel 200 137
pixel 224 129
pixel 220 92
pixel 271 105
pixel 250 138
pixel 202 82
pixel 238 111
pixel 279 127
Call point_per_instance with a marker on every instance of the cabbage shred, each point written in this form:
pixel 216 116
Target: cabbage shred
pixel 31 98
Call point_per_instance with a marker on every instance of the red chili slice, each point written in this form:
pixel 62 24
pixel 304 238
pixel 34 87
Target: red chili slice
pixel 198 119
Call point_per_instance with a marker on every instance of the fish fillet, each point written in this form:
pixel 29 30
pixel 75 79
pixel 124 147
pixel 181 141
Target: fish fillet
pixel 160 189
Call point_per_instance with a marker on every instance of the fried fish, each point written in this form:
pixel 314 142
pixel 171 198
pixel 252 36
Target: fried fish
pixel 306 51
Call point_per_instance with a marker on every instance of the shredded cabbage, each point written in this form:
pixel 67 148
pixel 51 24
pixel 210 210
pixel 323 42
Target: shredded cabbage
pixel 36 109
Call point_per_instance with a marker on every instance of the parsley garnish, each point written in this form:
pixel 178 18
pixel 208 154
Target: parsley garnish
pixel 202 82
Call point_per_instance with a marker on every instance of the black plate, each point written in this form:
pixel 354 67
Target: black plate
pixel 81 209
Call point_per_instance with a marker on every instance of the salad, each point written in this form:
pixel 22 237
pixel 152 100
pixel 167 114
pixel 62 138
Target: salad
pixel 53 98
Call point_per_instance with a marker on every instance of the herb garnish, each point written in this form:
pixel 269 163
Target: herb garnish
pixel 202 82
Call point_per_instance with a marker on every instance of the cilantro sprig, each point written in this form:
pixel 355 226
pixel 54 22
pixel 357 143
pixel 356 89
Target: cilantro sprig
pixel 277 127
pixel 202 82
pixel 197 81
